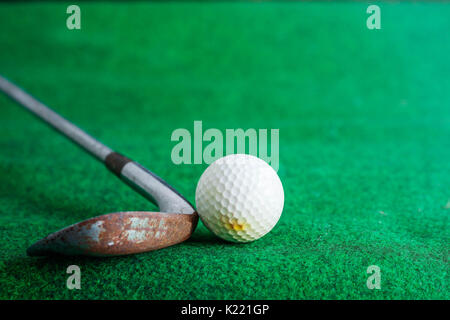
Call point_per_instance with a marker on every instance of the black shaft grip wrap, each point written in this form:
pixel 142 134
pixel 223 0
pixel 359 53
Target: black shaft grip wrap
pixel 115 162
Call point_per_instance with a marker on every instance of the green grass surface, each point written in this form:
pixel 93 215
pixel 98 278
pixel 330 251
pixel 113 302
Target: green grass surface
pixel 364 143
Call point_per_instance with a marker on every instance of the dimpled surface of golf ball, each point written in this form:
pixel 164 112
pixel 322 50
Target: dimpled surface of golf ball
pixel 239 198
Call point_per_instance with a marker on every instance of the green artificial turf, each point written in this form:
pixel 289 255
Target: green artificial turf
pixel 364 119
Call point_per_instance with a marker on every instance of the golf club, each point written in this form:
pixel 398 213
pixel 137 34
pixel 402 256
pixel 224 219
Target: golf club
pixel 117 233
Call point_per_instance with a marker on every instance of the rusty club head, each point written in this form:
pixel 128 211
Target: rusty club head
pixel 118 233
pixel 130 232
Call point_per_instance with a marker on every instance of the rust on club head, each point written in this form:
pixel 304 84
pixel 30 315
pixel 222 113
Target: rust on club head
pixel 118 233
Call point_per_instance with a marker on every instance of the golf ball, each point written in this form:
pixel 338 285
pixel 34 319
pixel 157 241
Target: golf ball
pixel 239 198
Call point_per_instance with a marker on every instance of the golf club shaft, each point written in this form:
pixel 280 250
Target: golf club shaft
pixel 91 145
pixel 144 181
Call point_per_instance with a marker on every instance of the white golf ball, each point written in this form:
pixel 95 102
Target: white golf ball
pixel 239 198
